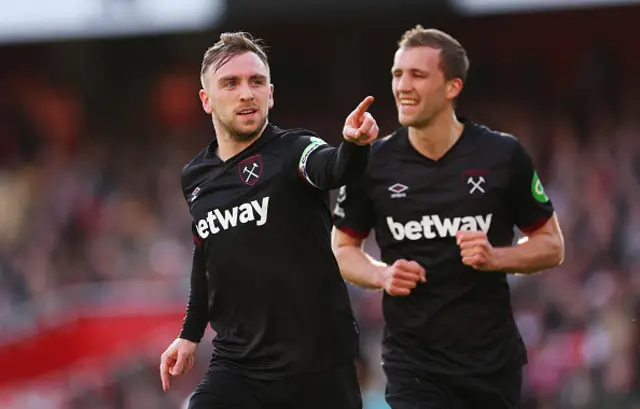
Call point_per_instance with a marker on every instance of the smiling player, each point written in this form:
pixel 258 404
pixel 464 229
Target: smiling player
pixel 443 195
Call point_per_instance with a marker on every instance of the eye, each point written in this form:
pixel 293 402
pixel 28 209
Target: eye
pixel 258 82
pixel 230 84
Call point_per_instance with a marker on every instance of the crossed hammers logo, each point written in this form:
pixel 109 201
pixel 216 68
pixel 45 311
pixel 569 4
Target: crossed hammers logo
pixel 476 185
pixel 251 171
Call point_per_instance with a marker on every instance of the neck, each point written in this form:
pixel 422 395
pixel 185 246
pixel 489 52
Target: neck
pixel 436 138
pixel 229 147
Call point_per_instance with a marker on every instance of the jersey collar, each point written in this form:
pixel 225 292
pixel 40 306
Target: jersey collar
pixel 457 148
pixel 268 133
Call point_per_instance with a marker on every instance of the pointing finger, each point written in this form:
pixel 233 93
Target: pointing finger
pixel 362 108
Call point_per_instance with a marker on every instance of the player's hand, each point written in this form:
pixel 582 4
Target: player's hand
pixel 177 360
pixel 360 127
pixel 402 276
pixel 475 250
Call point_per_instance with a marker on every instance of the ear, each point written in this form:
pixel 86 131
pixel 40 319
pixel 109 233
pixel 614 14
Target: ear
pixel 206 104
pixel 454 87
pixel 271 101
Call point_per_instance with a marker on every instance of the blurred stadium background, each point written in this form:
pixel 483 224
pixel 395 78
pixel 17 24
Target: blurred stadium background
pixel 99 112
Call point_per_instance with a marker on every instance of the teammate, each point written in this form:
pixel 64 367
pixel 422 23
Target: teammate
pixel 264 274
pixel 443 196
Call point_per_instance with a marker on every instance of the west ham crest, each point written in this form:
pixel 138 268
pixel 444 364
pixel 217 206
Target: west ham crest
pixel 476 181
pixel 250 169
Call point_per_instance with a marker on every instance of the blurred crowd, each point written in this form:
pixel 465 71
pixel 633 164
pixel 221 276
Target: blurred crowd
pixel 89 192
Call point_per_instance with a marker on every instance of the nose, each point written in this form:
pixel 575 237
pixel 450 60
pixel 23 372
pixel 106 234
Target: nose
pixel 245 92
pixel 404 84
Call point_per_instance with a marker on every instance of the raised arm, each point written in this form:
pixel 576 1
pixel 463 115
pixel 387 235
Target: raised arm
pixel 327 167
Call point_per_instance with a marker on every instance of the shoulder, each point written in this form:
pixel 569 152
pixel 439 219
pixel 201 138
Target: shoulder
pixel 491 135
pixel 297 144
pixel 192 172
pixel 388 142
pixel 492 140
pixel 298 137
pixel 386 150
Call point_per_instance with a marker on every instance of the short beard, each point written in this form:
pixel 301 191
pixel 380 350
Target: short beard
pixel 243 136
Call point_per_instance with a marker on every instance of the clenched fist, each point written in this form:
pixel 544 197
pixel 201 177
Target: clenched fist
pixel 401 277
pixel 475 250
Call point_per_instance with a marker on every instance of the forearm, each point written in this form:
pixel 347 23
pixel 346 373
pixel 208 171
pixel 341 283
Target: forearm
pixel 359 268
pixel 196 317
pixel 534 254
pixel 333 168
pixel 351 162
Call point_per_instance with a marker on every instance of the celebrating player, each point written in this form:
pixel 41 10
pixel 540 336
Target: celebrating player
pixel 264 275
pixel 443 196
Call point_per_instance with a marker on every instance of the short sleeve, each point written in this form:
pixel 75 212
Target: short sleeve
pixel 528 204
pixel 353 213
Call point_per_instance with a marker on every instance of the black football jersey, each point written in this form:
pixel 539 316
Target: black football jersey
pixel 264 274
pixel 460 320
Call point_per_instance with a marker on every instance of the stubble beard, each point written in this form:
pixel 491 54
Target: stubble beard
pixel 243 136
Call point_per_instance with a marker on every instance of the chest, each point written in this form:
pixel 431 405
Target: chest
pixel 237 196
pixel 465 193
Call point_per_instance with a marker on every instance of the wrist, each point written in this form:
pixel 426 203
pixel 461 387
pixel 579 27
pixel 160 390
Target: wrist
pixel 189 337
pixel 354 144
pixel 498 259
pixel 378 277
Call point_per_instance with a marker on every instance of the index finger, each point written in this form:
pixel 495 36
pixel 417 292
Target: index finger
pixel 164 376
pixel 364 105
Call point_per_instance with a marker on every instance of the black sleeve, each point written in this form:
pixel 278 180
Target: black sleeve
pixel 326 167
pixel 353 213
pixel 196 318
pixel 529 206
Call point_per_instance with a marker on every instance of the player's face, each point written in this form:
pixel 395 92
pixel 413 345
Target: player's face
pixel 239 95
pixel 419 86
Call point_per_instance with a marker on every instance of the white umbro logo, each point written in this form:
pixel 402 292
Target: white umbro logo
pixel 398 190
pixel 476 184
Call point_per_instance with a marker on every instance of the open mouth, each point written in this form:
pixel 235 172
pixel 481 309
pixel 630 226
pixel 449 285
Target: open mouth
pixel 247 112
pixel 408 102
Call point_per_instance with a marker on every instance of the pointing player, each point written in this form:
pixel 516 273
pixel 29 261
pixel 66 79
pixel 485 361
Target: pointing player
pixel 264 275
pixel 443 195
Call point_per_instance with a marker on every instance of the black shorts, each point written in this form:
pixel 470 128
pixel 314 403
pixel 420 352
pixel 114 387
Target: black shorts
pixel 224 389
pixel 436 391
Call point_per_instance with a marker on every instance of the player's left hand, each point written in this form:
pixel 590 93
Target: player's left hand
pixel 475 250
pixel 360 127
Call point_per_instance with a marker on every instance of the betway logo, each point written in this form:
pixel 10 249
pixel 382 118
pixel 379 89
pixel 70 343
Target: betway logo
pixel 433 226
pixel 217 220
